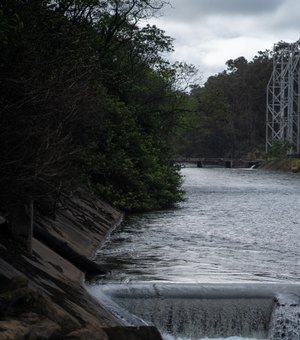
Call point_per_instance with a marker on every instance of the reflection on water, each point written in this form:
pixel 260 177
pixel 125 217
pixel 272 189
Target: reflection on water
pixel 235 225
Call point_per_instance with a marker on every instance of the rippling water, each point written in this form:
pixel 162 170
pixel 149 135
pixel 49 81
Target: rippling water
pixel 235 225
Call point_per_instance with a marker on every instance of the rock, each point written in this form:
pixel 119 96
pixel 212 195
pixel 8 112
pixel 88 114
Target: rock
pixel 18 282
pixel 9 284
pixel 42 296
pixel 88 333
pixel 26 303
pixel 133 333
pixel 44 329
pixel 13 330
pixel 33 328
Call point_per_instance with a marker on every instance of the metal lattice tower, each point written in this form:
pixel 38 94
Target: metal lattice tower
pixel 283 99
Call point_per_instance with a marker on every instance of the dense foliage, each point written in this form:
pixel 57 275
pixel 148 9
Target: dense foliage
pixel 227 115
pixel 86 95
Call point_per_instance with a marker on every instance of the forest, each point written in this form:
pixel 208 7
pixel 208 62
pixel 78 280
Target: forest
pixel 88 97
pixel 228 113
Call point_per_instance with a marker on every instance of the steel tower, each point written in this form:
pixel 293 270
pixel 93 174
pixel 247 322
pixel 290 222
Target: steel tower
pixel 283 98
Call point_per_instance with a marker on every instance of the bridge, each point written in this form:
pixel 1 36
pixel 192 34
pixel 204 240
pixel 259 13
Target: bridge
pixel 220 162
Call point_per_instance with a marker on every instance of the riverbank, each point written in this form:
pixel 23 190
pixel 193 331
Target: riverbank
pixel 43 296
pixel 285 164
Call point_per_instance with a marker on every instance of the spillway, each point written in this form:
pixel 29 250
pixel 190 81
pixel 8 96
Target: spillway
pixel 197 311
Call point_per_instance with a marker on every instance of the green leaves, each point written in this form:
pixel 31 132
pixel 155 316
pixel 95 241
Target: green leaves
pixel 133 173
pixel 278 150
pixel 229 120
pixel 87 94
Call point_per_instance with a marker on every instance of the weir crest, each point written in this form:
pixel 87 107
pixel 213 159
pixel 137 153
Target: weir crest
pixel 197 311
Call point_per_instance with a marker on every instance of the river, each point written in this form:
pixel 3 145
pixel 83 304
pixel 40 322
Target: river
pixel 236 226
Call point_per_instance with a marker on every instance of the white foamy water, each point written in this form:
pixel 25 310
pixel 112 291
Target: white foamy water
pixel 170 337
pixel 235 226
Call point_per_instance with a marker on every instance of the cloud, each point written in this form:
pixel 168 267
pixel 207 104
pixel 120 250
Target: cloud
pixel 285 21
pixel 195 9
pixel 209 32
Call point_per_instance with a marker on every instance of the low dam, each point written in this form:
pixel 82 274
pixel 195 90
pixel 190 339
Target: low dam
pixel 224 264
pixel 198 311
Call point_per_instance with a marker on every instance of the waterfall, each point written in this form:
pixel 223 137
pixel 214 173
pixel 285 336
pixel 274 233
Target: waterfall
pixel 196 311
pixel 199 318
pixel 285 322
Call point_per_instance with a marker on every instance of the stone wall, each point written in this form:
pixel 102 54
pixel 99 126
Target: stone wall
pixel 42 296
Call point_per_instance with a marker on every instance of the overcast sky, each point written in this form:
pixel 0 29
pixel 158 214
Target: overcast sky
pixel 207 33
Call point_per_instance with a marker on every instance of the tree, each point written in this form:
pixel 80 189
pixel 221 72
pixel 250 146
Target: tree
pixel 86 96
pixel 230 110
pixel 133 167
pixel 45 81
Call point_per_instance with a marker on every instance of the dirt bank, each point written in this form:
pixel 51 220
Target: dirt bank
pixel 43 296
pixel 286 164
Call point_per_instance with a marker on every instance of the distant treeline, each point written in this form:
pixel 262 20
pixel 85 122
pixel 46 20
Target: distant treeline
pixel 228 113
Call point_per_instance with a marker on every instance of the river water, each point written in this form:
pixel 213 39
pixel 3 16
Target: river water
pixel 237 226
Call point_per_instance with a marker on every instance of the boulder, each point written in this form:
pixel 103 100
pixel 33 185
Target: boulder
pixel 133 333
pixel 87 333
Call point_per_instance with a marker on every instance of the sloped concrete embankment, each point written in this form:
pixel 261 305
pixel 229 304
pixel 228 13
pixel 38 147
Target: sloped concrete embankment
pixel 43 296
